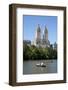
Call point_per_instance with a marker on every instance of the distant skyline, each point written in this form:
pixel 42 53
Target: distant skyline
pixel 31 22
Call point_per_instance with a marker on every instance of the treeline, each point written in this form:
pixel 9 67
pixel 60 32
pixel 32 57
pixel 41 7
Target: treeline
pixel 34 53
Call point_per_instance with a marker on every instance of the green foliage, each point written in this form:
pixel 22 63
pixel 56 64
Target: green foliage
pixel 34 53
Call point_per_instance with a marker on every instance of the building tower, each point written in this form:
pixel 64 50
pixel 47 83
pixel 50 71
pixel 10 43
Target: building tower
pixel 45 41
pixel 38 36
pixel 46 34
pixel 55 46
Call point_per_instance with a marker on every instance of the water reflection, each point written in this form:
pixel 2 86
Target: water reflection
pixel 29 67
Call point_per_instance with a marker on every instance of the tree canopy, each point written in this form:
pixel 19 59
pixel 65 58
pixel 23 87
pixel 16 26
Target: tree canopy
pixel 34 53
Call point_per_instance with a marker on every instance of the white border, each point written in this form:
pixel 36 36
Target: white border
pixel 42 77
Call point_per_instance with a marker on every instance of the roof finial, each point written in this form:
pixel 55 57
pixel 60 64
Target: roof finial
pixel 46 26
pixel 38 25
pixel 46 30
pixel 38 28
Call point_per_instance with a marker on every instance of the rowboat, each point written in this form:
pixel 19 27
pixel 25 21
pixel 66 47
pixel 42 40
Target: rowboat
pixel 41 64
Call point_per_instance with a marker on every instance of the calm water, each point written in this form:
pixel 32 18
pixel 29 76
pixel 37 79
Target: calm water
pixel 29 67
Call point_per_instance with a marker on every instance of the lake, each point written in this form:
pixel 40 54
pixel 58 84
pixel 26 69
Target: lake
pixel 29 67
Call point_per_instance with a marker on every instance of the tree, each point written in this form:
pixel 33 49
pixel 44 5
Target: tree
pixel 34 53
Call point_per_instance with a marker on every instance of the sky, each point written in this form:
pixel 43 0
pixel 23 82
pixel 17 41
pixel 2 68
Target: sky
pixel 31 22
